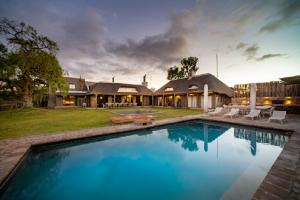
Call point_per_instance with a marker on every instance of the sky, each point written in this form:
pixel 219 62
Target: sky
pixel 256 41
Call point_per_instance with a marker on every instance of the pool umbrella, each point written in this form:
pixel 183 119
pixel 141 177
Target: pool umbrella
pixel 253 96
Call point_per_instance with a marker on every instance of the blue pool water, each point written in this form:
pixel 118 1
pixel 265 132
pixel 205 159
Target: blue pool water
pixel 191 160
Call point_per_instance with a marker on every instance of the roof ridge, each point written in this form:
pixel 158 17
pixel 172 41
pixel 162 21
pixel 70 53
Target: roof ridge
pixel 121 83
pixel 198 75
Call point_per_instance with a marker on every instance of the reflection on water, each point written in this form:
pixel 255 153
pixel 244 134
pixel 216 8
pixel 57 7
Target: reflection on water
pixel 196 132
pixel 208 133
pixel 255 136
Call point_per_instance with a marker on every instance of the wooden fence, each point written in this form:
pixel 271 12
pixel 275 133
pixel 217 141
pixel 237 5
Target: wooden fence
pixel 269 89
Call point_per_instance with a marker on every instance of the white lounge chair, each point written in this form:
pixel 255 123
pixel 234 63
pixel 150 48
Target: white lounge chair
pixel 233 112
pixel 278 116
pixel 267 112
pixel 217 111
pixel 253 114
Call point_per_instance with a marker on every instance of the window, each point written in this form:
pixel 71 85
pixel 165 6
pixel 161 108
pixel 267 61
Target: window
pixel 72 86
pixel 127 90
pixel 169 89
pixel 69 101
pixel 193 87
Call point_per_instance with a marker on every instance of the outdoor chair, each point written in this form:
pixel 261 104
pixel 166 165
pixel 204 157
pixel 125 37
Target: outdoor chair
pixel 253 114
pixel 268 112
pixel 217 111
pixel 278 116
pixel 233 112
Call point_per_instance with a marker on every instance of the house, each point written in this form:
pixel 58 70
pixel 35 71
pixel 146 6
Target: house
pixel 188 92
pixel 99 94
pixel 77 94
pixel 104 92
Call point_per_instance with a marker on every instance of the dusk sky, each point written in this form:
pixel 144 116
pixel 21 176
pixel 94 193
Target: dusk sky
pixel 256 41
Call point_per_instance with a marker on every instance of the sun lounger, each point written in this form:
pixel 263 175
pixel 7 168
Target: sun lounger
pixel 268 112
pixel 278 116
pixel 233 112
pixel 253 114
pixel 217 111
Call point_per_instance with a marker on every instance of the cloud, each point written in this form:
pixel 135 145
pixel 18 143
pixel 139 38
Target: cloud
pixel 251 51
pixel 157 49
pixel 162 50
pixel 96 45
pixel 289 15
pixel 82 36
pixel 241 45
pixel 267 56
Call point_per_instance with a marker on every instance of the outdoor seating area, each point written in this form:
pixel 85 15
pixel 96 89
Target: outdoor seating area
pixel 245 111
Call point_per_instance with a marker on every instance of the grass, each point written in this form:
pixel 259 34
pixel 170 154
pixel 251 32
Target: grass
pixel 25 122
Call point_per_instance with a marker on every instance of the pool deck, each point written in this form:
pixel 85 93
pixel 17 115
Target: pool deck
pixel 282 181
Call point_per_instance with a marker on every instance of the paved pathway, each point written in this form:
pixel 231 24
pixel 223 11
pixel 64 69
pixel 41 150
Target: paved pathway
pixel 282 181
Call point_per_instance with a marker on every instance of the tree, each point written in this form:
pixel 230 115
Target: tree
pixel 189 67
pixel 33 58
pixel 175 73
pixel 8 72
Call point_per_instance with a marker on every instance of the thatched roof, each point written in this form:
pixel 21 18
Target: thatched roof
pixel 79 83
pixel 196 84
pixel 291 80
pixel 113 88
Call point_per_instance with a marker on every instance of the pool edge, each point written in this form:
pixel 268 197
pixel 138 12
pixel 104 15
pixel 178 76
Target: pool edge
pixel 286 160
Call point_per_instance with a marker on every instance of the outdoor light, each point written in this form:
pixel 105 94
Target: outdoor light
pixel 288 102
pixel 267 102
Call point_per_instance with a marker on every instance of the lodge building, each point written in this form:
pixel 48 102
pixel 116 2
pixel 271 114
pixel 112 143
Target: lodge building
pixel 181 93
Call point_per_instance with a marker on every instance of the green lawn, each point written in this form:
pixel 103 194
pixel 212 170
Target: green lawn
pixel 17 123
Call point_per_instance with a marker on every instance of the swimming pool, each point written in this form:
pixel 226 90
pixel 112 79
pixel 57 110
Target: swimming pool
pixel 190 160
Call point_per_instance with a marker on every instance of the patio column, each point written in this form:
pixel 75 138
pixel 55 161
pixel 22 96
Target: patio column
pixel 253 96
pixel 93 100
pixel 114 98
pixel 152 104
pixel 187 100
pixel 174 101
pixel 205 102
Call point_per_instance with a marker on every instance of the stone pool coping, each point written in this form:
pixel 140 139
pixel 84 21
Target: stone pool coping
pixel 281 182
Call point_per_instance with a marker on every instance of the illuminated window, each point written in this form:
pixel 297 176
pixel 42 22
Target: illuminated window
pixel 169 89
pixel 72 86
pixel 69 101
pixel 127 90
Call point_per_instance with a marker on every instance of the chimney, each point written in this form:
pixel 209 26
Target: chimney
pixel 113 79
pixel 144 83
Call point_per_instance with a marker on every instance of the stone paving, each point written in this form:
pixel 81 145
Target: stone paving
pixel 282 181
